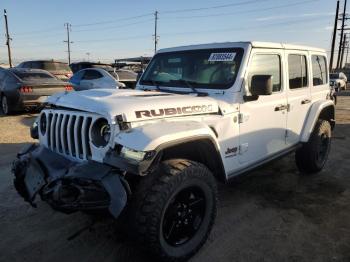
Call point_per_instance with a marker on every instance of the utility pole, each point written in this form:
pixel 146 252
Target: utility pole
pixel 8 38
pixel 334 37
pixel 347 53
pixel 343 51
pixel 155 31
pixel 68 27
pixel 341 35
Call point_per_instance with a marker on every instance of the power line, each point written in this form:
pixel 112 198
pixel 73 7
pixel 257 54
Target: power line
pixel 56 28
pixel 242 11
pixel 212 7
pixel 41 35
pixel 113 27
pixel 113 21
pixel 113 39
pixel 298 21
pixel 244 27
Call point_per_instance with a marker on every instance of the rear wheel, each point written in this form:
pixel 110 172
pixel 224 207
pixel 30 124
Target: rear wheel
pixel 174 209
pixel 5 108
pixel 312 156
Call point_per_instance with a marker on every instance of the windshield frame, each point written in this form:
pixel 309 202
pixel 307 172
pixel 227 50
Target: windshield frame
pixel 238 58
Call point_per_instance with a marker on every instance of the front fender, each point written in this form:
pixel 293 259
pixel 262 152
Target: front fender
pixel 152 136
pixel 314 113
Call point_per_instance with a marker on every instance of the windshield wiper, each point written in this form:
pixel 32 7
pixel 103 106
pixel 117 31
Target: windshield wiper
pixel 181 81
pixel 190 85
pixel 152 82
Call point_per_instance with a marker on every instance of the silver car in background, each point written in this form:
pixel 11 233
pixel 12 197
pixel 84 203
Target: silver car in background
pixel 94 78
pixel 338 81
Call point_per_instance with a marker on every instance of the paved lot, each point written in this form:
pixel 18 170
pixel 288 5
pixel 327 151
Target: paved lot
pixel 271 215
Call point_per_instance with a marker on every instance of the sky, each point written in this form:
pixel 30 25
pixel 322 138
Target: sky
pixel 108 29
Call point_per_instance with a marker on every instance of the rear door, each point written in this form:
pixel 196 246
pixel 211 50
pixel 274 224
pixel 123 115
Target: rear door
pixel 263 122
pixel 298 93
pixel 319 74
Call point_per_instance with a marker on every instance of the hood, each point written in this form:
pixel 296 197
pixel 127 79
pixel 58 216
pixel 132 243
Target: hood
pixel 135 105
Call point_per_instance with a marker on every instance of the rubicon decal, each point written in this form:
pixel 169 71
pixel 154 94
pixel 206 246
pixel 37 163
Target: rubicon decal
pixel 174 111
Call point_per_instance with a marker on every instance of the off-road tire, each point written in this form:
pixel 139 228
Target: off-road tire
pixel 312 156
pixel 156 195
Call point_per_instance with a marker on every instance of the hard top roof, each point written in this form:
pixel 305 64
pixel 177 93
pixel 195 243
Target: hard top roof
pixel 245 44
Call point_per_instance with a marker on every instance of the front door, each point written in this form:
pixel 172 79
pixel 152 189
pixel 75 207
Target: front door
pixel 263 121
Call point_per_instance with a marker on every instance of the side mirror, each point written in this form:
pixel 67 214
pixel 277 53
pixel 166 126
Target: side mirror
pixel 261 85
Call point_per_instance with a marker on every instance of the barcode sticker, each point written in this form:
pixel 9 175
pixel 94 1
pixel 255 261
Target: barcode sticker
pixel 221 57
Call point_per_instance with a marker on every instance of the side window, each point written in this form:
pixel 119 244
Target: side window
pixel 23 65
pixel 266 64
pixel 36 65
pixel 319 70
pixel 297 69
pixel 92 74
pixel 77 77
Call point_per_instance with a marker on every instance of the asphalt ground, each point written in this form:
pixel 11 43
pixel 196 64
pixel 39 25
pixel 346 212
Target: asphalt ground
pixel 272 214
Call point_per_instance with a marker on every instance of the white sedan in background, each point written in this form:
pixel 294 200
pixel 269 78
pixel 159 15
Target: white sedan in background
pixel 93 78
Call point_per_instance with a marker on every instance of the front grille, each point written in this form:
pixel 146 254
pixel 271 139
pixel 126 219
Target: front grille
pixel 68 133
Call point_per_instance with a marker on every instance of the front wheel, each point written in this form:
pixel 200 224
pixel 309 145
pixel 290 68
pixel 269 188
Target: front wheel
pixel 312 156
pixel 175 209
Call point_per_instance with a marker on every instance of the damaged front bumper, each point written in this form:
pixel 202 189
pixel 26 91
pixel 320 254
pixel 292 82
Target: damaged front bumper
pixel 67 185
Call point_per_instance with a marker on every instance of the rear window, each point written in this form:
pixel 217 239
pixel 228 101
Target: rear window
pixel 54 66
pixel 33 76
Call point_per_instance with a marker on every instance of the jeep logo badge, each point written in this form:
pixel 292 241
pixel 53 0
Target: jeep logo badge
pixel 174 111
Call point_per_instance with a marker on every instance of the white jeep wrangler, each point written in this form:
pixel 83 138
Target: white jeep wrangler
pixel 201 114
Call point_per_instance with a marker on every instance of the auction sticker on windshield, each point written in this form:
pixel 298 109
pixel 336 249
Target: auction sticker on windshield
pixel 221 57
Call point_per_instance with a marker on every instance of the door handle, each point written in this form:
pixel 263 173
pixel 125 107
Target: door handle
pixel 281 107
pixel 305 101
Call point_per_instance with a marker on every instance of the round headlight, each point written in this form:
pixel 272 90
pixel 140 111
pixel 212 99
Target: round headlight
pixel 100 132
pixel 43 124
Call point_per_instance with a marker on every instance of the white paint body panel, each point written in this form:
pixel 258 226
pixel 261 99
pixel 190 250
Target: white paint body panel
pixel 261 134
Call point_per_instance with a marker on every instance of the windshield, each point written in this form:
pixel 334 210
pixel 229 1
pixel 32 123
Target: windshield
pixel 25 76
pixel 209 68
